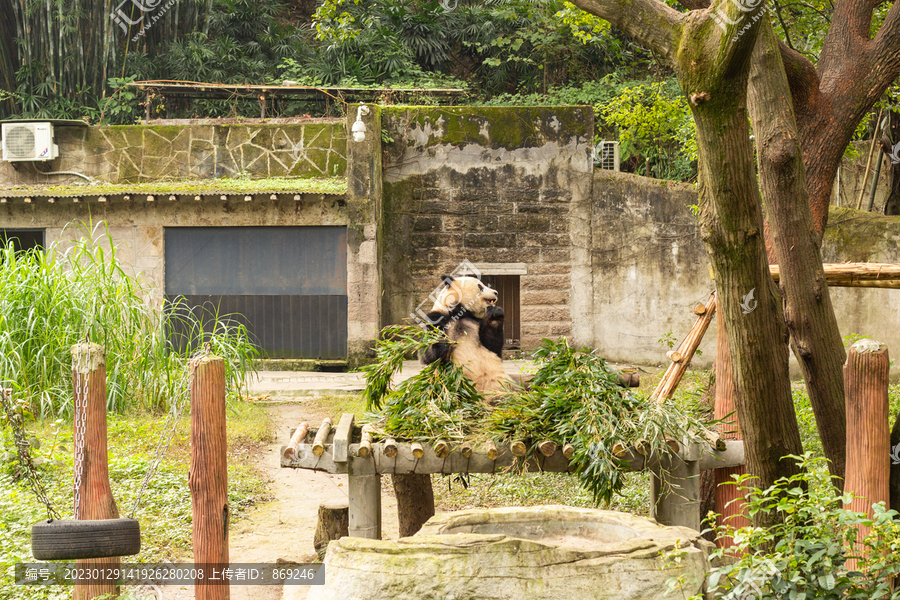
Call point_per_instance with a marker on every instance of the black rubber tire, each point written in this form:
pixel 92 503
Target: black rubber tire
pixel 71 540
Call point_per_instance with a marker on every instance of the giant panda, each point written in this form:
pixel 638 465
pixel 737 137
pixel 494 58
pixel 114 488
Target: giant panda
pixel 465 309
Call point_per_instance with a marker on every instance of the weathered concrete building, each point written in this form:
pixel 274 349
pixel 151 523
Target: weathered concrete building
pixel 612 261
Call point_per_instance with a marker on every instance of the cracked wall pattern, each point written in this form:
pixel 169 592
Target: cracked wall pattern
pixel 150 153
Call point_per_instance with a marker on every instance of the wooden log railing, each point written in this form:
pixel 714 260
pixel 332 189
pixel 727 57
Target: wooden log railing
pixel 349 450
pixel 877 275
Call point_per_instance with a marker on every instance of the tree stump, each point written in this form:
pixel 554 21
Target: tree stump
pixel 333 524
pixel 415 501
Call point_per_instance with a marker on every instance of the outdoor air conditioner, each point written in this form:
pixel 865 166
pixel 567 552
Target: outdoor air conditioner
pixel 606 155
pixel 28 141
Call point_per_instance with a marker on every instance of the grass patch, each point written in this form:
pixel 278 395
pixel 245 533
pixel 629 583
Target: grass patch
pixel 533 489
pixel 335 406
pixel 165 511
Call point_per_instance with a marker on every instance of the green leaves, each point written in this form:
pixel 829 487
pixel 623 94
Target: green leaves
pixel 654 121
pixel 573 398
pixel 804 554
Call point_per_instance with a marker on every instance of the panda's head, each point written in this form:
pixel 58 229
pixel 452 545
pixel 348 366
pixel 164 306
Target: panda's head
pixel 464 293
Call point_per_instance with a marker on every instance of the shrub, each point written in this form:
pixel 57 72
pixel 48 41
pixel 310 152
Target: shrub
pixel 805 554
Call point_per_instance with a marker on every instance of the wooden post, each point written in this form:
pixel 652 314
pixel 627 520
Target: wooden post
pixel 208 477
pixel 729 499
pixel 676 500
pixel 95 496
pixel 364 495
pixel 868 437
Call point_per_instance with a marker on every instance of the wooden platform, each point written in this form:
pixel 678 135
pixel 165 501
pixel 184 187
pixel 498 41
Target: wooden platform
pixel 676 498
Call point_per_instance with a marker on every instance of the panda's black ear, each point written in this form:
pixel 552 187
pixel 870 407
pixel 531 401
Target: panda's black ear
pixel 447 279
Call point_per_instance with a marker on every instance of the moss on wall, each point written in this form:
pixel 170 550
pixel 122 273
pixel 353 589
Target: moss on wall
pixel 489 126
pixel 860 236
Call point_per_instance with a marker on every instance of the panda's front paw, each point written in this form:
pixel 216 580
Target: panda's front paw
pixel 494 312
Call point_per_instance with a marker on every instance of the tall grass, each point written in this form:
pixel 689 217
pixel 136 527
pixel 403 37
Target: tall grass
pixel 52 299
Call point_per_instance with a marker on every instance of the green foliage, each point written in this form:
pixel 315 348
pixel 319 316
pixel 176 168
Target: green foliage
pixel 121 108
pixel 667 340
pixel 573 398
pixel 654 122
pixel 650 120
pixel 804 554
pixel 53 299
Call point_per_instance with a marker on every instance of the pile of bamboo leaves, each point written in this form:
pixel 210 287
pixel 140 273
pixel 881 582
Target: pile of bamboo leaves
pixel 572 399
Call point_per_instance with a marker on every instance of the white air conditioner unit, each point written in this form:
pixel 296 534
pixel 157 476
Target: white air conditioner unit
pixel 28 141
pixel 606 155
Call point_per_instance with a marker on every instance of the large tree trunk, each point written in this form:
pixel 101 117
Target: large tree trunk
pixel 712 65
pixel 809 314
pixel 829 100
pixel 731 227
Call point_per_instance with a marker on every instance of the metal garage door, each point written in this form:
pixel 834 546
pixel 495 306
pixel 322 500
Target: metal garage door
pixel 289 283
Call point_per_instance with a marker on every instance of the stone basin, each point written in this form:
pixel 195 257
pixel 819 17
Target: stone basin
pixel 530 553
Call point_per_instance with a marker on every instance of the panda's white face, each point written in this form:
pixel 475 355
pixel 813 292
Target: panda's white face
pixel 468 292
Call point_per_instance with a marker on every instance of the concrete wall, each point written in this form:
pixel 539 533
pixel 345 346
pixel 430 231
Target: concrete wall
pixel 149 153
pixel 510 191
pixel 136 228
pixel 614 261
pixel 651 269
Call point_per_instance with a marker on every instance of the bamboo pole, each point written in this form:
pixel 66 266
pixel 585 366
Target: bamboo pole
pixel 862 188
pixel 685 353
pixel 868 435
pixel 418 450
pixel 365 445
pixel 492 451
pixel 95 495
pixel 730 501
pixel 441 449
pixel 290 452
pixel 318 447
pixel 856 274
pixel 208 477
pixel 547 447
pixel 518 448
pixel 390 447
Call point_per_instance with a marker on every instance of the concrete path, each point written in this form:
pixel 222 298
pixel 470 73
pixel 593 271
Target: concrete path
pixel 289 384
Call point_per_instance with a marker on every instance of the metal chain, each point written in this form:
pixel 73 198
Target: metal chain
pixel 171 426
pixel 81 395
pixel 16 424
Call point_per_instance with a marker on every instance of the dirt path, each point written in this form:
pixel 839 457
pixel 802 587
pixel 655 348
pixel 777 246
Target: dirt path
pixel 282 529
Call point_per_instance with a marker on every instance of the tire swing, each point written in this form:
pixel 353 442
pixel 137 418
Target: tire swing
pixel 59 539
